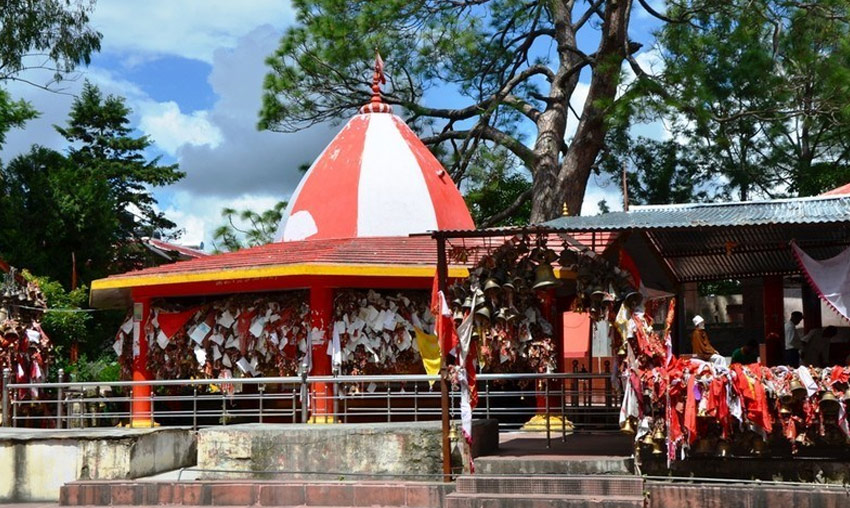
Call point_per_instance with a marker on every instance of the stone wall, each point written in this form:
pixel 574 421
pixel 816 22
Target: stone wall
pixel 35 463
pixel 408 450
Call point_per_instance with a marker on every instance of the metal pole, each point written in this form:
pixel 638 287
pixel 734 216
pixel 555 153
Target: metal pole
pixel 415 402
pixel 336 401
pixel 151 406
pixel 563 411
pixel 7 375
pixel 195 407
pixel 389 403
pixel 442 275
pixel 261 388
pixel 60 394
pixel 548 426
pixel 487 398
pixel 294 408
pixel 304 396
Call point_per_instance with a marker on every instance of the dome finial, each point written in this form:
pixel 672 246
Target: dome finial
pixel 376 104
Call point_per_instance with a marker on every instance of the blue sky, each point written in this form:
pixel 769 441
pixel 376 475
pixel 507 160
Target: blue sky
pixel 192 70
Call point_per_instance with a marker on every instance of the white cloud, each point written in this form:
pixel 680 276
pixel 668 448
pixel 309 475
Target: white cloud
pixel 199 215
pixel 170 129
pixel 188 28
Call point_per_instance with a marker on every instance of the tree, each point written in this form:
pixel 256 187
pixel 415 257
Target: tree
pixel 83 214
pixel 515 63
pixel 103 148
pixel 760 91
pixel 260 228
pixel 51 35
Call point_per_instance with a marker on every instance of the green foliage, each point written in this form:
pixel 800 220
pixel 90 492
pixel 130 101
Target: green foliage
pixel 65 327
pixel 101 369
pixel 720 287
pixel 47 34
pixel 247 228
pixel 495 180
pixel 515 65
pixel 13 114
pixel 761 92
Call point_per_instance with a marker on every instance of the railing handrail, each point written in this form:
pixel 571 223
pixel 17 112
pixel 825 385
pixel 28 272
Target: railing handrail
pixel 401 378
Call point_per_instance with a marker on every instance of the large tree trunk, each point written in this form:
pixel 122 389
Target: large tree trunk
pixel 566 184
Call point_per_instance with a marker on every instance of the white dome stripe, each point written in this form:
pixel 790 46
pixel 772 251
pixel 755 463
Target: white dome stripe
pixel 393 198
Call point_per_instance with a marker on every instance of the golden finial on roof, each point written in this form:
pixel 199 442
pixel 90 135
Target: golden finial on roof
pixel 566 210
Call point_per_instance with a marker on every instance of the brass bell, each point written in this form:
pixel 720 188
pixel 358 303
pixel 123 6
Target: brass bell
pixel 784 410
pixel 658 447
pixel 647 439
pixel 502 315
pixel 544 277
pixel 621 351
pixel 467 302
pixel 483 312
pixel 829 404
pixel 491 285
pixel 509 286
pixel 798 390
pixel 785 397
pixel 724 449
pixel 627 427
pixel 846 395
pixel 458 315
pixel 659 434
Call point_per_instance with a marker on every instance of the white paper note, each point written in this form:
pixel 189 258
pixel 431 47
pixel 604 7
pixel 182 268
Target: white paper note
pixel 161 339
pixel 217 338
pixel 243 365
pixel 216 353
pixel 225 360
pixel 257 326
pixel 200 332
pixel 201 355
pixel 127 327
pixel 226 319
pixel 118 347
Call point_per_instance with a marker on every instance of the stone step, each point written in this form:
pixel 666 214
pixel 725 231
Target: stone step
pixel 246 493
pixel 554 465
pixel 588 485
pixel 458 500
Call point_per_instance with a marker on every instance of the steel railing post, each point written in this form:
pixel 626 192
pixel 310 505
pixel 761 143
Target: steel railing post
pixel 548 426
pixel 304 396
pixel 60 394
pixel 194 407
pixel 7 376
pixel 260 389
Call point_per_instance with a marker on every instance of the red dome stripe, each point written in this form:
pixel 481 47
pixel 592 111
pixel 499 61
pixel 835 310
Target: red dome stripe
pixel 329 192
pixel 449 206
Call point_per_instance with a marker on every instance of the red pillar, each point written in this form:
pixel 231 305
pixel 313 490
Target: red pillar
pixel 321 319
pixel 140 407
pixel 774 309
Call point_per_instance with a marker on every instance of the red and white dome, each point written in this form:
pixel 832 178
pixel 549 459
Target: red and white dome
pixel 376 178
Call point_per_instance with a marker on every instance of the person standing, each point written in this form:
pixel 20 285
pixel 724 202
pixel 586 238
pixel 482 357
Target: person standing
pixel 701 346
pixel 793 341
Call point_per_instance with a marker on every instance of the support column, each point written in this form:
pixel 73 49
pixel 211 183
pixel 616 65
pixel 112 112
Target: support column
pixel 321 320
pixel 141 414
pixel 773 297
pixel 812 318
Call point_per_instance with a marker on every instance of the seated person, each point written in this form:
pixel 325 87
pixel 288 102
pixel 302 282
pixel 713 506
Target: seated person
pixel 701 346
pixel 746 354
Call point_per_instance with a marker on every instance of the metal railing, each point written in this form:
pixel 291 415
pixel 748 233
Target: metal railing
pixel 586 400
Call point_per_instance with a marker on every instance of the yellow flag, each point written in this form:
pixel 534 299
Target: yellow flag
pixel 429 349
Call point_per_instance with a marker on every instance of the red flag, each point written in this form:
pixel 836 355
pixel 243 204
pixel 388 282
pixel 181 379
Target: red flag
pixel 444 326
pixel 628 264
pixel 172 322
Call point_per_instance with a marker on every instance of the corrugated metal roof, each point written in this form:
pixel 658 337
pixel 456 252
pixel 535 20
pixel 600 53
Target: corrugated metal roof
pixel 819 209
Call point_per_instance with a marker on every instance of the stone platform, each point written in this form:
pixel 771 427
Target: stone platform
pixel 373 451
pixel 35 463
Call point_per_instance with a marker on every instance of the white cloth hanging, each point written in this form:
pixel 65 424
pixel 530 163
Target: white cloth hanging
pixel 830 278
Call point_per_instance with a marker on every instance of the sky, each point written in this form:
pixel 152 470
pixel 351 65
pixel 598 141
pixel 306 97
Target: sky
pixel 192 71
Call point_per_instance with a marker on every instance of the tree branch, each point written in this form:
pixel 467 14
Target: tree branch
pixel 507 212
pixel 489 133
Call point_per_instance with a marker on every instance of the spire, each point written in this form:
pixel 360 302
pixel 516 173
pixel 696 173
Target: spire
pixel 376 104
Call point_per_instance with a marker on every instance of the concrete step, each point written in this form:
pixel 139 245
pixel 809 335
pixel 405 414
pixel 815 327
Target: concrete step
pixel 588 485
pixel 555 465
pixel 260 493
pixel 458 500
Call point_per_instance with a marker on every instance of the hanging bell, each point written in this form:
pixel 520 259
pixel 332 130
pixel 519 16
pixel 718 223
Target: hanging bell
pixel 509 285
pixel 483 312
pixel 544 277
pixel 784 410
pixel 829 404
pixel 621 351
pixel 647 439
pixel 785 397
pixel 511 315
pixel 798 390
pixel 491 285
pixel 502 315
pixel 467 302
pixel 658 447
pixel 458 315
pixel 627 427
pixel 659 434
